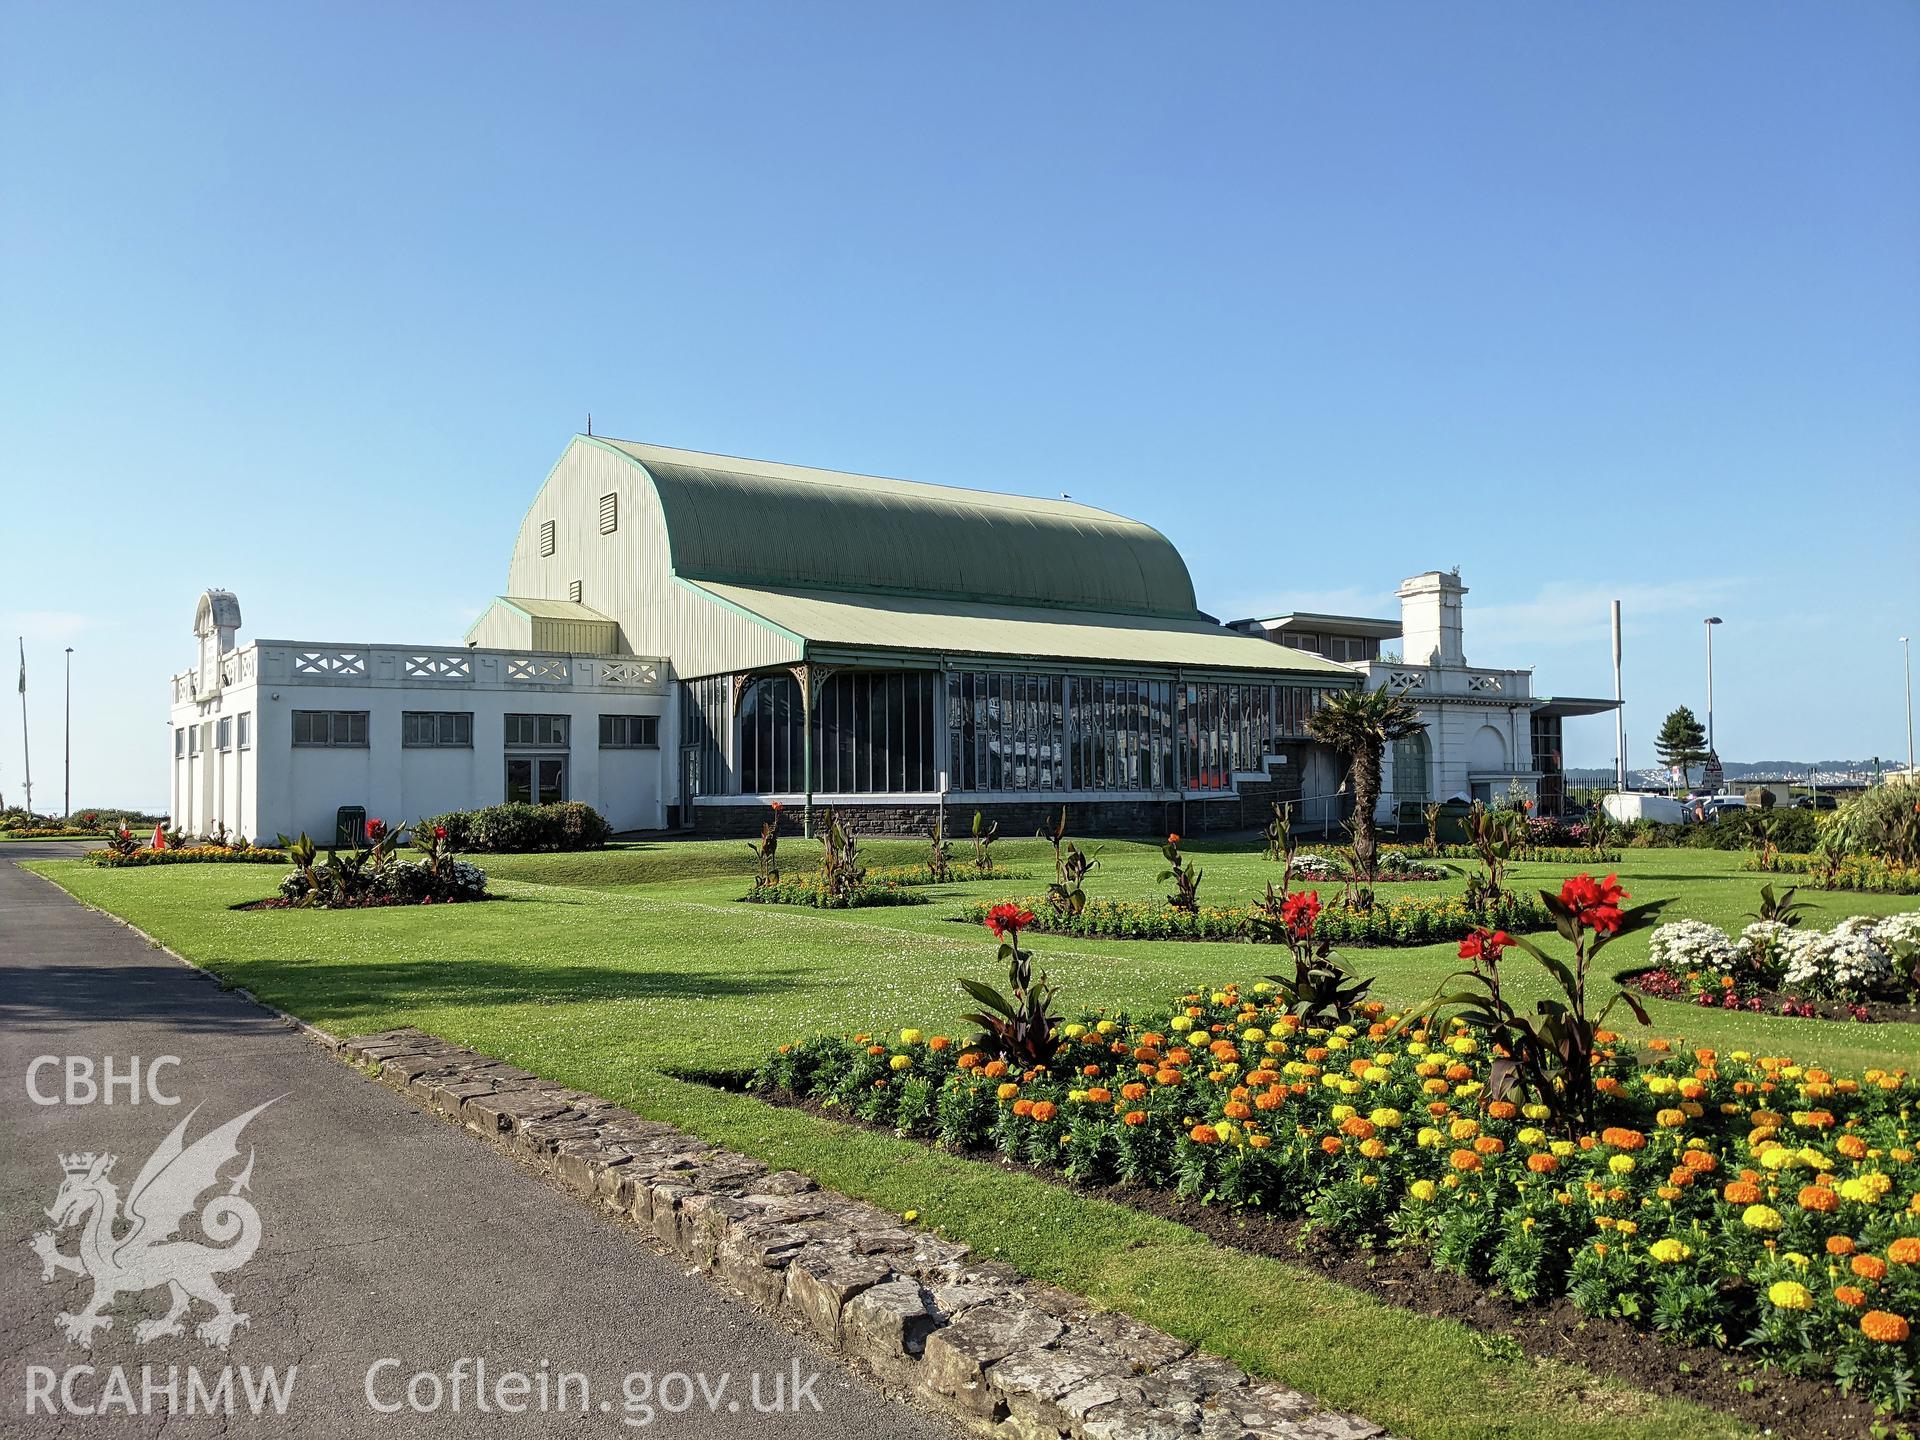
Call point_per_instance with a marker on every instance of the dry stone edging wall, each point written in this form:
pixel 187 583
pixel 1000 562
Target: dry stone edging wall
pixel 971 1338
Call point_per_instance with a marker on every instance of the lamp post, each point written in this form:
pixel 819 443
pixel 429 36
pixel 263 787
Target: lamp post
pixel 1712 620
pixel 67 800
pixel 1906 649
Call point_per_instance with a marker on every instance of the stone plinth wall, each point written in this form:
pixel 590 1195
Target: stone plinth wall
pixel 971 1338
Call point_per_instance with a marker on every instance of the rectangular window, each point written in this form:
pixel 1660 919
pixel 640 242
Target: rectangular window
pixel 629 732
pixel 333 728
pixel 536 732
pixel 609 514
pixel 179 744
pixel 436 729
pixel 245 729
pixel 546 537
pixel 223 733
pixel 573 591
pixel 536 779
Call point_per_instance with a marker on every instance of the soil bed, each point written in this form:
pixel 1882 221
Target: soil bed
pixel 374 902
pixel 1768 1399
pixel 1870 1012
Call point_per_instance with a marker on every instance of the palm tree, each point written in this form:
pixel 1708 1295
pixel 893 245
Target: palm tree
pixel 1360 724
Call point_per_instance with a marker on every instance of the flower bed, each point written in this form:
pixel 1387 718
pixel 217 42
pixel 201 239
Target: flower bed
pixel 1731 1200
pixel 1866 873
pixel 190 855
pixel 1410 920
pixel 1543 854
pixel 1861 969
pixel 956 874
pixel 1395 866
pixel 813 891
pixel 49 832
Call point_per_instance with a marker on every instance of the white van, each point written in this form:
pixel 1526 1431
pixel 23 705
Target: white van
pixel 1627 806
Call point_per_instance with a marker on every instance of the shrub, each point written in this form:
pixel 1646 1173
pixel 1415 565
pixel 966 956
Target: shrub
pixel 1883 822
pixel 372 874
pixel 517 827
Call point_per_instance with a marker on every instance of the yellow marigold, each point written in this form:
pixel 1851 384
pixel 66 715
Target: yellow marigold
pixel 1621 1164
pixel 1790 1295
pixel 1670 1119
pixel 1008 1090
pixel 1885 1327
pixel 901 1062
pixel 1423 1190
pixel 1760 1217
pixel 1669 1251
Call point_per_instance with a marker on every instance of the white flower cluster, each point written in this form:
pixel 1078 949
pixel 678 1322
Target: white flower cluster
pixel 1897 931
pixel 1309 866
pixel 1845 962
pixel 1685 945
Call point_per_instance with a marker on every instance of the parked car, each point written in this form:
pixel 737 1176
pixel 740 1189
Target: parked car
pixel 1816 802
pixel 1718 805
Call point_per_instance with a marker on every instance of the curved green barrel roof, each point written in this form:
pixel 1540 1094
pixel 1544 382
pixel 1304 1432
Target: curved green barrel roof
pixel 754 522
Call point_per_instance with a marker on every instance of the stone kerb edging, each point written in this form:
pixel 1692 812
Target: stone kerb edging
pixel 972 1338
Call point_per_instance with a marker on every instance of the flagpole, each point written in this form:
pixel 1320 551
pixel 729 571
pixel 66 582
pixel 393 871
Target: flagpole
pixel 26 751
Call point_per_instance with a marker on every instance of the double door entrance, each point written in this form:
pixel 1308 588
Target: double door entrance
pixel 536 779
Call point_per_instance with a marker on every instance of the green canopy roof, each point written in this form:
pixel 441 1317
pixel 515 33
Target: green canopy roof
pixel 828 621
pixel 754 522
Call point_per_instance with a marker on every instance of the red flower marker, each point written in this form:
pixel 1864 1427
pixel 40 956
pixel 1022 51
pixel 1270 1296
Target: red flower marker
pixel 1594 903
pixel 1008 917
pixel 1484 943
pixel 1299 912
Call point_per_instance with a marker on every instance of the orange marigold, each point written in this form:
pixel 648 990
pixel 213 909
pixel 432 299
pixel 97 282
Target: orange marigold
pixel 1904 1251
pixel 1490 1145
pixel 1839 1245
pixel 1851 1146
pixel 1132 1090
pixel 1818 1197
pixel 1044 1110
pixel 1868 1267
pixel 1699 1160
pixel 1851 1296
pixel 1742 1192
pixel 1465 1160
pixel 1503 1109
pixel 969 1061
pixel 1621 1138
pixel 995 1069
pixel 1358 1126
pixel 1885 1327
pixel 1021 1107
pixel 1099 1095
pixel 1236 1109
pixel 1541 1163
pixel 1134 1117
pixel 1204 1135
pixel 1332 1144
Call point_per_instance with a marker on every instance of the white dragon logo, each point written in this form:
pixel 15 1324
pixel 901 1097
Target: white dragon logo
pixel 145 1255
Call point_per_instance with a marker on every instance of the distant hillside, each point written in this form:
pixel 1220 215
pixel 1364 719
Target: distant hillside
pixel 1822 772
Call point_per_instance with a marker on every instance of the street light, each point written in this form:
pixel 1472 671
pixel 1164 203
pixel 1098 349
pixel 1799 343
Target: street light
pixel 68 801
pixel 1712 620
pixel 1906 649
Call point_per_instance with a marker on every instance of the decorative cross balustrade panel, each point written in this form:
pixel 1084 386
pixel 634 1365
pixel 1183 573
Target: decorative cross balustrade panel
pixel 539 670
pixel 1406 680
pixel 1484 683
pixel 331 664
pixel 629 672
pixel 456 665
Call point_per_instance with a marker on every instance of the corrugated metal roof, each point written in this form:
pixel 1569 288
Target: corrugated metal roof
pixel 754 522
pixel 885 623
pixel 536 609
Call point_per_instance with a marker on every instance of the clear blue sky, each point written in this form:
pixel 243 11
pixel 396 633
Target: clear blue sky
pixel 1590 301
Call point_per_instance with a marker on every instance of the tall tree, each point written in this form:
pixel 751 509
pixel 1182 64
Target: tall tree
pixel 1360 724
pixel 1682 741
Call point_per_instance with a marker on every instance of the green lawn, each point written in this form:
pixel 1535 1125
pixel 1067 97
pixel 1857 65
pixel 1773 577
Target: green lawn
pixel 621 970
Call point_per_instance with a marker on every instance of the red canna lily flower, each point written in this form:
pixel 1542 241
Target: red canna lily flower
pixel 1595 903
pixel 1484 943
pixel 1006 918
pixel 1299 912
